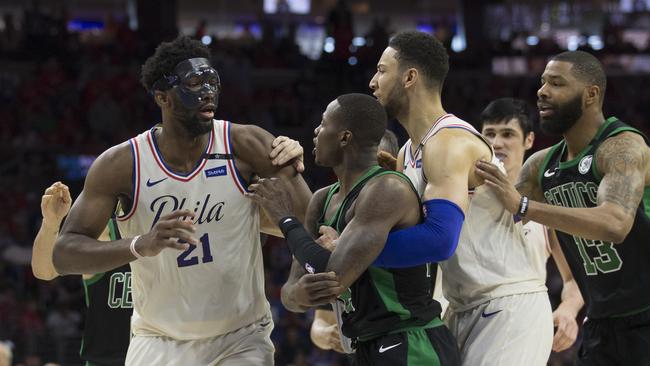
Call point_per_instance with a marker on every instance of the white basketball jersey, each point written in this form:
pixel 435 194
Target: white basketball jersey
pixel 540 248
pixel 212 288
pixel 492 258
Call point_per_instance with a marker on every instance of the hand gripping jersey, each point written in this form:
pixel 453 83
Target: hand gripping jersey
pixel 212 288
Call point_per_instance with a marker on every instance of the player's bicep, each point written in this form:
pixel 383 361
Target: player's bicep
pixel 622 160
pixel 98 199
pixel 447 167
pixel 365 235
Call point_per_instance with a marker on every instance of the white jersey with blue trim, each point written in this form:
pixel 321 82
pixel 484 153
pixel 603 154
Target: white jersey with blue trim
pixel 493 258
pixel 212 288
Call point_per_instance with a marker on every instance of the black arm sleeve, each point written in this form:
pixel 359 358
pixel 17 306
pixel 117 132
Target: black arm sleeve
pixel 309 254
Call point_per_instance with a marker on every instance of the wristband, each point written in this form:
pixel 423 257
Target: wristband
pixel 523 206
pixel 132 247
pixel 287 224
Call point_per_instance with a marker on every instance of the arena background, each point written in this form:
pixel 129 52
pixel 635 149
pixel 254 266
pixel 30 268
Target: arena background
pixel 69 89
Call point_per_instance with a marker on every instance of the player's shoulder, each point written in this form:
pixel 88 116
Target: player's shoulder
pixel 113 167
pixel 454 142
pixel 391 185
pixel 252 139
pixel 321 193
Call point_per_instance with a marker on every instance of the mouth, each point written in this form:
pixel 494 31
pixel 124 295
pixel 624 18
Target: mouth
pixel 501 156
pixel 545 110
pixel 207 111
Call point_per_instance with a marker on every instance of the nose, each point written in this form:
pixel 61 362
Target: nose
pixel 542 92
pixel 497 142
pixel 373 82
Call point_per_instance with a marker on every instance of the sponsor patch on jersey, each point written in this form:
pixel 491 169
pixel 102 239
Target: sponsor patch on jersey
pixel 418 163
pixel 215 172
pixel 585 164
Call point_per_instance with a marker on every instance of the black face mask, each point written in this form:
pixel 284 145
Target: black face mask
pixel 194 80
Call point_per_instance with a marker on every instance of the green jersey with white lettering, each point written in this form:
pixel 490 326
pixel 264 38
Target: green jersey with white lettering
pixel 109 306
pixel 614 278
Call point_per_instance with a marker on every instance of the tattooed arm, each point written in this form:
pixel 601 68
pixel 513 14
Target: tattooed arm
pixel 623 161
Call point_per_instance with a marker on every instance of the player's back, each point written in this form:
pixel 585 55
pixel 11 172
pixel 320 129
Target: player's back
pixel 209 289
pixel 493 258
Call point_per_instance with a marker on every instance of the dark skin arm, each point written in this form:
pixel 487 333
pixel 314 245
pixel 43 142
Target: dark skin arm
pixel 623 161
pixel 252 146
pixel 303 290
pixel 77 249
pixel 366 233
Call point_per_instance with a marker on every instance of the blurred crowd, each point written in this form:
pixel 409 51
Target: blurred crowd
pixel 65 94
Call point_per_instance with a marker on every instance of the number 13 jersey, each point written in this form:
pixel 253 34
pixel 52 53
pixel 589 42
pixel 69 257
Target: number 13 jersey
pixel 216 286
pixel 613 278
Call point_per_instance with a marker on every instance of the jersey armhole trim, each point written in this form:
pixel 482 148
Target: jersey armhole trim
pixel 135 150
pixel 232 166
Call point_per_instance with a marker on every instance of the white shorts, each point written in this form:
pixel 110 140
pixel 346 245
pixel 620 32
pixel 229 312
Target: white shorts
pixel 511 330
pixel 250 345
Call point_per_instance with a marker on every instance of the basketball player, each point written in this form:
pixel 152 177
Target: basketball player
pixel 506 124
pixel 595 185
pixel 108 295
pixel 389 313
pixel 324 331
pixel 192 237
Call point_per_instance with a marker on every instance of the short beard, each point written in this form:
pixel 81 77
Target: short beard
pixel 564 118
pixel 190 121
pixel 395 103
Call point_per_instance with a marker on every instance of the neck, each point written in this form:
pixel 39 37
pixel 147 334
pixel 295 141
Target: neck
pixel 422 111
pixel 583 131
pixel 353 167
pixel 179 149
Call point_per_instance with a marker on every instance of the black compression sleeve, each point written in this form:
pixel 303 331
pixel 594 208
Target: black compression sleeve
pixel 309 254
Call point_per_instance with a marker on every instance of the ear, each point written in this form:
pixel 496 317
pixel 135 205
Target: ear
pixel 345 138
pixel 410 77
pixel 592 95
pixel 161 98
pixel 529 140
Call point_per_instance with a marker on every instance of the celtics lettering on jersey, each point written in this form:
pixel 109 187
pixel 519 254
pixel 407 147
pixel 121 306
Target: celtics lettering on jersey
pixel 119 291
pixel 584 194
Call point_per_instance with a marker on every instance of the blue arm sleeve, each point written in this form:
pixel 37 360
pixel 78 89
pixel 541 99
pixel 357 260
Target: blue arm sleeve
pixel 434 240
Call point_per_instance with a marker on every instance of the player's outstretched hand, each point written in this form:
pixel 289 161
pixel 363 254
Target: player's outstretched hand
pixel 285 150
pixel 567 330
pixel 328 237
pixel 316 289
pixel 174 231
pixel 331 335
pixel 55 203
pixel 497 180
pixel 386 160
pixel 272 195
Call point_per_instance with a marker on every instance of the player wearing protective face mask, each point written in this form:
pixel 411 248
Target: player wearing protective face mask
pixel 190 234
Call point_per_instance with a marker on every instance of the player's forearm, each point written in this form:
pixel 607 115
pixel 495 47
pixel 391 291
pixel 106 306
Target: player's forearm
pixel 596 223
pixel 42 266
pixel 80 254
pixel 300 196
pixel 572 300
